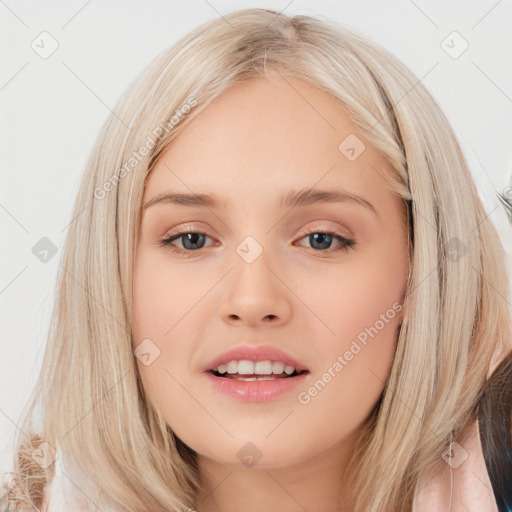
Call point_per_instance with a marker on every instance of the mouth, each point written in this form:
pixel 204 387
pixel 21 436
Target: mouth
pixel 255 373
pixel 248 370
pixel 257 376
pixel 253 386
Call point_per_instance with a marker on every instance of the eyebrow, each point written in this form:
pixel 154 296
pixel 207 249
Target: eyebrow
pixel 293 199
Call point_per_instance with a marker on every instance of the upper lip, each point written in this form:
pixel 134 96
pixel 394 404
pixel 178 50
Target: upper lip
pixel 254 353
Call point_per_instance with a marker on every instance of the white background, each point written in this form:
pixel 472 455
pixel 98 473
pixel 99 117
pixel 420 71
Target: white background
pixel 51 111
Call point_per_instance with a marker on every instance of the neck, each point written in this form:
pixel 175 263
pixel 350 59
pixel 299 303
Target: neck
pixel 314 484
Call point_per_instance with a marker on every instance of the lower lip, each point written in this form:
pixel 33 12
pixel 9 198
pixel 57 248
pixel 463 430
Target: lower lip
pixel 256 390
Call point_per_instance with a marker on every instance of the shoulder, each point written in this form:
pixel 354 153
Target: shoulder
pixel 460 479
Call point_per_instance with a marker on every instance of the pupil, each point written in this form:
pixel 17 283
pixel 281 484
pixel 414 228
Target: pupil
pixel 321 237
pixel 191 237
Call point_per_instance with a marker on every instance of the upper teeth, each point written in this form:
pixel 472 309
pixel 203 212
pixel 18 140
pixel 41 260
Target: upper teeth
pixel 245 367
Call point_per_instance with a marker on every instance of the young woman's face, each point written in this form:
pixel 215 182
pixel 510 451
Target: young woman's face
pixel 258 271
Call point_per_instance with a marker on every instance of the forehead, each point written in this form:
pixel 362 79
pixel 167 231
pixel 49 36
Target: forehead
pixel 262 115
pixel 269 134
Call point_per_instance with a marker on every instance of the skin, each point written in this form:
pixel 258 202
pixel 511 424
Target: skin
pixel 249 147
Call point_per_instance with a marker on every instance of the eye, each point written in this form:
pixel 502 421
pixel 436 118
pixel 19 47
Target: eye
pixel 191 240
pixel 322 240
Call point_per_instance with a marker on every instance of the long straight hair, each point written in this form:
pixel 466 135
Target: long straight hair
pixel 456 324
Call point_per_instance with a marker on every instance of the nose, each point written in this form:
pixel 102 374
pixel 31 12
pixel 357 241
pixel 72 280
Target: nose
pixel 256 295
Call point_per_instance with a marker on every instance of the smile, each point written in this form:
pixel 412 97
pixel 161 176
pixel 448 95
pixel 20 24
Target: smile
pixel 254 386
pixel 255 370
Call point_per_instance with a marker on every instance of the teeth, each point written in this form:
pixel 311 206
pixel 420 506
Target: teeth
pixel 289 369
pixel 232 367
pixel 245 367
pixel 277 367
pixel 263 368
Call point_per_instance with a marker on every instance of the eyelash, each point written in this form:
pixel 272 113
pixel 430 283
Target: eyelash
pixel 347 243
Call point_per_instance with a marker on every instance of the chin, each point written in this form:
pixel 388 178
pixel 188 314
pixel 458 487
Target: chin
pixel 239 455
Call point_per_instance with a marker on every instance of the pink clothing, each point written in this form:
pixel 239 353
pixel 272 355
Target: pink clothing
pixel 471 487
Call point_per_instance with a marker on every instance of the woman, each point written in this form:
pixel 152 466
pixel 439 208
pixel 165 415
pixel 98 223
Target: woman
pixel 375 338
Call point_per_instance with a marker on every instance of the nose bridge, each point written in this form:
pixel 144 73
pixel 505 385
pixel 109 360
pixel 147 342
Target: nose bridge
pixel 255 294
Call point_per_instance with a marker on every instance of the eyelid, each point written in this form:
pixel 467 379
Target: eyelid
pixel 325 228
pixel 345 243
pixel 182 230
pixel 348 242
pixel 188 228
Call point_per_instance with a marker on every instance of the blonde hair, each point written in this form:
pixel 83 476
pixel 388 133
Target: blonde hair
pixel 93 405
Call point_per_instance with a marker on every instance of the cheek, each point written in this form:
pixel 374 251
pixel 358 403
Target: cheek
pixel 162 294
pixel 351 297
pixel 353 364
pixel 357 336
